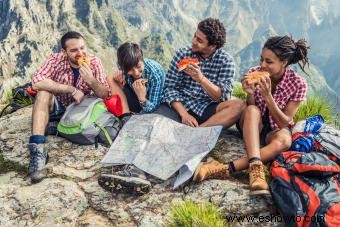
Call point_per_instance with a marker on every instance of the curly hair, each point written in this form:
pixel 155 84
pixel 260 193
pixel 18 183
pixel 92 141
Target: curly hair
pixel 214 31
pixel 287 49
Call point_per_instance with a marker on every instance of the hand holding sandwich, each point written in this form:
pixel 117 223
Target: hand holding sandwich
pixel 264 86
pixel 194 71
pixel 140 89
pixel 86 73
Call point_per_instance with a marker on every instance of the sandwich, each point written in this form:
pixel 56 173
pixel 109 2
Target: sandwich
pixel 144 81
pixel 182 64
pixel 255 76
pixel 81 59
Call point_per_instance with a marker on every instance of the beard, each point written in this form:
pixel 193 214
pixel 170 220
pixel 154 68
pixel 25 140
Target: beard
pixel 73 60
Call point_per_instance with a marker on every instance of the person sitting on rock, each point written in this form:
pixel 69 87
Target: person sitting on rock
pixel 272 102
pixel 199 95
pixel 142 83
pixel 141 80
pixel 59 82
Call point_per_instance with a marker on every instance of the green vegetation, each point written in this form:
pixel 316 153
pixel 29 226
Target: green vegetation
pixel 7 166
pixel 315 105
pixel 19 100
pixel 337 121
pixel 238 91
pixel 191 214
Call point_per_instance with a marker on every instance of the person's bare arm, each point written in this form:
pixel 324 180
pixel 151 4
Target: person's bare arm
pixel 99 89
pixel 53 87
pixel 187 118
pixel 194 71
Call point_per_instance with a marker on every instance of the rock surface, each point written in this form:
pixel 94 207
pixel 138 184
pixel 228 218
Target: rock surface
pixel 71 196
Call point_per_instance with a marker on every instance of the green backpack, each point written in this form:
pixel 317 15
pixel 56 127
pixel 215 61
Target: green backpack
pixel 89 123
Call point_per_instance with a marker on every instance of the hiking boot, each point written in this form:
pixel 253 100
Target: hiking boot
pixel 129 180
pixel 257 179
pixel 38 160
pixel 211 169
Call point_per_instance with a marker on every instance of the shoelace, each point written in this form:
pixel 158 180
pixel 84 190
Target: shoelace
pixel 126 170
pixel 35 158
pixel 256 171
pixel 220 172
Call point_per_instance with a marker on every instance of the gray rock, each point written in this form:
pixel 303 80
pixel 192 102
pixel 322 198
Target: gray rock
pixel 71 195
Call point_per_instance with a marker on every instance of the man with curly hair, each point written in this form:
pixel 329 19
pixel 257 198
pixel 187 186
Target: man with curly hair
pixel 199 95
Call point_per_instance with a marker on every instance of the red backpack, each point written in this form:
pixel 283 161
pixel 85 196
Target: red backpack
pixel 306 189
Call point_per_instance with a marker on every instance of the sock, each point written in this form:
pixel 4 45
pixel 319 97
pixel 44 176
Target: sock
pixel 38 139
pixel 231 168
pixel 253 159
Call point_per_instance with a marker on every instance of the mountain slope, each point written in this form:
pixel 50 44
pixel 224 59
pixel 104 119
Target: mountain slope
pixel 30 30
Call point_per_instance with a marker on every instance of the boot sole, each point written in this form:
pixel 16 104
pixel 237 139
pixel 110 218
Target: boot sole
pixel 127 185
pixel 259 192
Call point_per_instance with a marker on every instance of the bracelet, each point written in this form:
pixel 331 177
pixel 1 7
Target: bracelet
pixel 143 104
pixel 74 92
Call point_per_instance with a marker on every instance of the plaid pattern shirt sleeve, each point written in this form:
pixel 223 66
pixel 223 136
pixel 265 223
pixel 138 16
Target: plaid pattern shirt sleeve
pixel 47 70
pixel 155 86
pixel 301 91
pixel 98 73
pixel 173 80
pixel 226 78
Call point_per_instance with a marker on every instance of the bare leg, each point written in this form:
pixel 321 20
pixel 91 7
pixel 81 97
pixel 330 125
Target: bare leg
pixel 279 141
pixel 42 107
pixel 115 89
pixel 251 125
pixel 227 114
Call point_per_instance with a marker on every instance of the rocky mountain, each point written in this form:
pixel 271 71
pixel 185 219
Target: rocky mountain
pixel 30 30
pixel 71 196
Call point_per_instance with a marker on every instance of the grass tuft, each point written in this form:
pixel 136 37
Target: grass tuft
pixel 238 91
pixel 191 214
pixel 8 165
pixel 315 105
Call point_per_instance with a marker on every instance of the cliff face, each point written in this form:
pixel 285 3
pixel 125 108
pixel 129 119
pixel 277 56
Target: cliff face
pixel 30 31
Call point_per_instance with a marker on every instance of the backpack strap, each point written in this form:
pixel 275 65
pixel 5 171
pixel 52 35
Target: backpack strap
pixel 107 136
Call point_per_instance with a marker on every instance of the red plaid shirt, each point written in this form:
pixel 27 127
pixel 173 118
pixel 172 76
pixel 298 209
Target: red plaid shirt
pixel 58 69
pixel 292 87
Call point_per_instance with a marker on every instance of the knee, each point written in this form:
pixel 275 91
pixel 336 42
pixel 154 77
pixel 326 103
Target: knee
pixel 239 105
pixel 43 97
pixel 284 142
pixel 252 110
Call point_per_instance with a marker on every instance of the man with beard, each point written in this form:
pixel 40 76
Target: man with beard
pixel 59 82
pixel 199 95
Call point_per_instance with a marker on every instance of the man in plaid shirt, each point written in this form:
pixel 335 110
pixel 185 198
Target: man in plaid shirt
pixel 59 82
pixel 200 94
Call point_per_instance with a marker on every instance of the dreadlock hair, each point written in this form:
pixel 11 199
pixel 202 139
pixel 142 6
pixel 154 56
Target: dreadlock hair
pixel 287 49
pixel 214 31
pixel 128 55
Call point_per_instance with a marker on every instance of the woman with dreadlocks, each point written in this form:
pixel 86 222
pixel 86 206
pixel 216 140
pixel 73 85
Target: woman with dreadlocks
pixel 272 102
